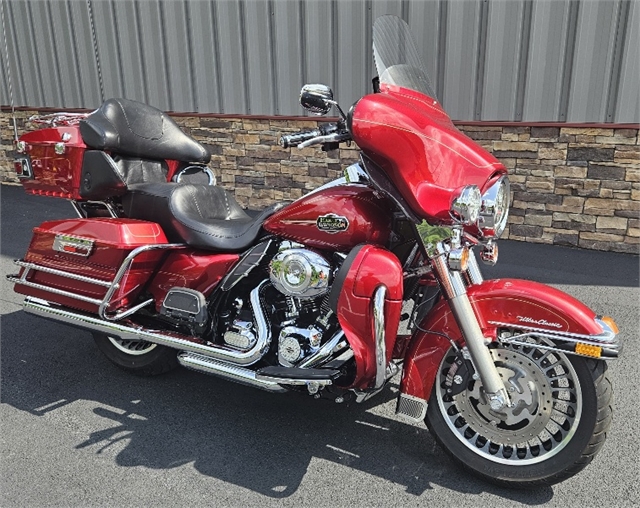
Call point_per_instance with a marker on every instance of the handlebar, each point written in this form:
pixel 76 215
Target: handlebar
pixel 327 133
pixel 296 139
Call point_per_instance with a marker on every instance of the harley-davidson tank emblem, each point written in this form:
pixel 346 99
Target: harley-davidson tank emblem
pixel 332 223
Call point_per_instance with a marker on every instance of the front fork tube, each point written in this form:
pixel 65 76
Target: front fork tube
pixel 455 291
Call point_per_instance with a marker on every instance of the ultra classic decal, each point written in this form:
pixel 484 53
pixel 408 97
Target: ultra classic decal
pixel 539 322
pixel 332 223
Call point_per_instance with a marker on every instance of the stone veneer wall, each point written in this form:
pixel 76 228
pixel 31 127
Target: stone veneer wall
pixel 576 186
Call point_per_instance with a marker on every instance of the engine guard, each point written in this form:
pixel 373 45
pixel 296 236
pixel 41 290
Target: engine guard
pixel 504 303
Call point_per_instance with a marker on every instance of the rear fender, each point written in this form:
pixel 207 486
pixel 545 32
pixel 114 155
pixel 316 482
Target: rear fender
pixel 365 269
pixel 497 304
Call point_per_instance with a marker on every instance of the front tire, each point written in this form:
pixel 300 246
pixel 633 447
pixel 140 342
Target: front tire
pixel 561 413
pixel 138 357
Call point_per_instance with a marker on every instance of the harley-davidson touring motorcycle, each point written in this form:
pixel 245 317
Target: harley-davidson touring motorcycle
pixel 165 269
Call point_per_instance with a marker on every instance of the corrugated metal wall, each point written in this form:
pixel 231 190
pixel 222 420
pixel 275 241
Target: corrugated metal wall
pixel 522 60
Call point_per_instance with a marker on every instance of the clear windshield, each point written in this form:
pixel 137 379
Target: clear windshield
pixel 396 56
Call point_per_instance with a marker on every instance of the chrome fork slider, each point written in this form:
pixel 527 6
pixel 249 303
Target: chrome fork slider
pixel 455 291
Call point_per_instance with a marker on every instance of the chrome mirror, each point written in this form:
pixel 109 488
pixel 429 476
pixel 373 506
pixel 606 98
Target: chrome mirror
pixel 316 98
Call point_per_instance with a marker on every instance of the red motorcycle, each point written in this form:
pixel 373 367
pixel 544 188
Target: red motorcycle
pixel 166 269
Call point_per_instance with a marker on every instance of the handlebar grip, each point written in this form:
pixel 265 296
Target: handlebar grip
pixel 296 139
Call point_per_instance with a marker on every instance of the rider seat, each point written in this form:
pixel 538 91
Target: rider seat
pixel 202 216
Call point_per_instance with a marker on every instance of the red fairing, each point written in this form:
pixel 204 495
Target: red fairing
pixel 367 219
pixel 371 268
pixel 195 270
pixel 54 174
pixel 411 137
pixel 113 239
pixel 498 302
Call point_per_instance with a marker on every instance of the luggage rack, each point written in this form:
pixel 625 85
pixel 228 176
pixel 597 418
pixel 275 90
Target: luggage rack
pixel 62 119
pixel 112 286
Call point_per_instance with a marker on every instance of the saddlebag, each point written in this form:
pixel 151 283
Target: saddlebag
pixel 74 262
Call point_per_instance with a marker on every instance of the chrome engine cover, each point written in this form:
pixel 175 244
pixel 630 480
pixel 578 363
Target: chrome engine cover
pixel 300 273
pixel 295 343
pixel 240 335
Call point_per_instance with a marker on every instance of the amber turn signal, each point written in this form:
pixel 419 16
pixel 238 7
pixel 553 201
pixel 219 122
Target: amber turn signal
pixel 608 320
pixel 459 259
pixel 588 350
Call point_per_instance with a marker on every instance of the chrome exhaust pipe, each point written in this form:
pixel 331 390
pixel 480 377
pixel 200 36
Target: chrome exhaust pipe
pixel 43 309
pixel 228 371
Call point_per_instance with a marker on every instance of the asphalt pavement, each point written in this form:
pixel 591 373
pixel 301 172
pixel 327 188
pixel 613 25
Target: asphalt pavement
pixel 76 431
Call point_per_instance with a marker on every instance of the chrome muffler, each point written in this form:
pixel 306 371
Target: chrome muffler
pixel 227 371
pixel 131 331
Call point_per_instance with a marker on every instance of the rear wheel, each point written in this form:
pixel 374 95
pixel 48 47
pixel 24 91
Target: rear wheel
pixel 137 356
pixel 558 421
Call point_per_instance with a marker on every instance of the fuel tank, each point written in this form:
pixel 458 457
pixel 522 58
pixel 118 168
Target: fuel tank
pixel 334 218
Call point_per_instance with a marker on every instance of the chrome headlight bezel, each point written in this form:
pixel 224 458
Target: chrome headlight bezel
pixel 467 205
pixel 494 210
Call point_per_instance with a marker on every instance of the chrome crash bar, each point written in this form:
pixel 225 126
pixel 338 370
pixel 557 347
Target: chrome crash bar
pixel 112 286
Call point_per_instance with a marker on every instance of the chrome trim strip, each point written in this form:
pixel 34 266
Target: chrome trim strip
pixel 607 337
pixel 612 352
pixel 131 331
pixel 61 273
pixel 227 371
pixel 611 348
pixel 378 330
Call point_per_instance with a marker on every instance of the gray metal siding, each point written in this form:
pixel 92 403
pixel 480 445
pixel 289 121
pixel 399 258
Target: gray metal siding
pixel 546 60
pixel 627 107
pixel 517 60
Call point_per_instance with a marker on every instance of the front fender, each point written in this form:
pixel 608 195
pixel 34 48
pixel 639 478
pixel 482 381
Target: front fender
pixel 496 303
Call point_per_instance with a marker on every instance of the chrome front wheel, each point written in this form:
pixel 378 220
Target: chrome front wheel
pixel 560 408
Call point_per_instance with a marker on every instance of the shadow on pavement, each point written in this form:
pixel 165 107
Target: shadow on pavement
pixel 255 440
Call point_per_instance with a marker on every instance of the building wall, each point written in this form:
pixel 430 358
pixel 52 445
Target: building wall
pixel 573 186
pixel 515 60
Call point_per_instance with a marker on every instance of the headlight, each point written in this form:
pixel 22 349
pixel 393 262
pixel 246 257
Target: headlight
pixel 495 209
pixel 467 204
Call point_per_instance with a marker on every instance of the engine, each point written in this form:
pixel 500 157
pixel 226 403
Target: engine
pixel 295 305
pixel 302 276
